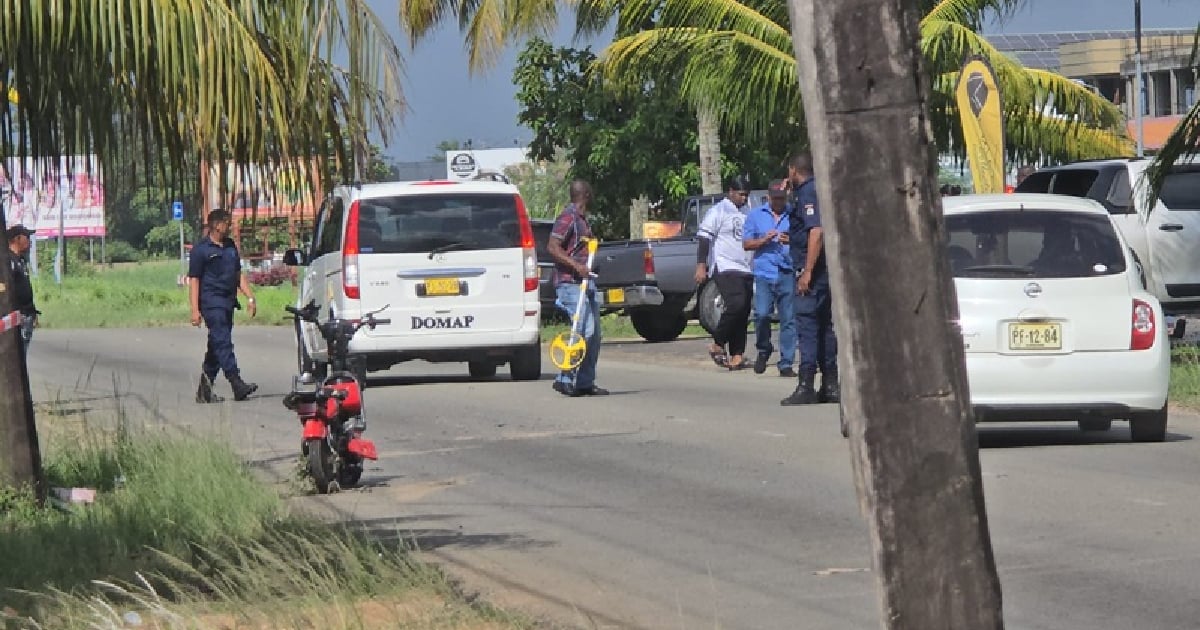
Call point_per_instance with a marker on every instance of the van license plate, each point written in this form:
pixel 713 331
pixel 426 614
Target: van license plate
pixel 614 296
pixel 1035 336
pixel 441 286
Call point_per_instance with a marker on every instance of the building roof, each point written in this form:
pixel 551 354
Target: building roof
pixel 1040 50
pixel 1155 130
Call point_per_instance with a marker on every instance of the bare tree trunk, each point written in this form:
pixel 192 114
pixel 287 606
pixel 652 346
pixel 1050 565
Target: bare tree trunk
pixel 20 459
pixel 639 212
pixel 708 131
pixel 904 389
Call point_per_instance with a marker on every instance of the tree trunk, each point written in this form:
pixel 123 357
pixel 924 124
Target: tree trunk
pixel 905 395
pixel 639 212
pixel 708 132
pixel 20 460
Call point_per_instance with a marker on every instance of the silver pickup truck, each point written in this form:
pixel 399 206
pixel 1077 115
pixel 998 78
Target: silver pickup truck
pixel 671 267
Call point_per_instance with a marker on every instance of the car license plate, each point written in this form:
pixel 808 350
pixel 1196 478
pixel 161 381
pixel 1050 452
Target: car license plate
pixel 441 286
pixel 614 296
pixel 1035 336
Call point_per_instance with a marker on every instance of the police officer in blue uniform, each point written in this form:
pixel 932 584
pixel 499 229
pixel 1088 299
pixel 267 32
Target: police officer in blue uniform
pixel 814 313
pixel 215 277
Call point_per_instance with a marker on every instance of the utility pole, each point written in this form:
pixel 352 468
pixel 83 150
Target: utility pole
pixel 1137 69
pixel 904 390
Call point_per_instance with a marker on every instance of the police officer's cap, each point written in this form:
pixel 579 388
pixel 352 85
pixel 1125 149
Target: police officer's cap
pixel 18 230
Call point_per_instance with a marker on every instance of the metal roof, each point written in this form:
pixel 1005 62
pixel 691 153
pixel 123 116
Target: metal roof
pixel 1040 50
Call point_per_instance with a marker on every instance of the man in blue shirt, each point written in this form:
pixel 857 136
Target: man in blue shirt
pixel 215 277
pixel 814 313
pixel 766 234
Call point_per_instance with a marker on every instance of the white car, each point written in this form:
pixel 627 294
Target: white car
pixel 454 264
pixel 1056 320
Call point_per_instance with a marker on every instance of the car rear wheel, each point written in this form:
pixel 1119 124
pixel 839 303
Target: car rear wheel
pixel 1149 426
pixel 526 363
pixel 659 323
pixel 481 369
pixel 1095 425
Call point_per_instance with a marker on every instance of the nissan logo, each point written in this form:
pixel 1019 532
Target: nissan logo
pixel 1033 289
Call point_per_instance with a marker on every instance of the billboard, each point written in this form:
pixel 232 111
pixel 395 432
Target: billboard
pixel 36 193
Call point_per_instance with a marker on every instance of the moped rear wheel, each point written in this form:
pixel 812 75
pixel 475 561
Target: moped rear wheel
pixel 320 465
pixel 350 471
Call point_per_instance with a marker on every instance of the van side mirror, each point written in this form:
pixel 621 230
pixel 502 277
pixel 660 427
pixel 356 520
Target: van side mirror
pixel 294 258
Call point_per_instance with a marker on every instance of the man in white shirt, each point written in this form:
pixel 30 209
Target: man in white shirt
pixel 723 258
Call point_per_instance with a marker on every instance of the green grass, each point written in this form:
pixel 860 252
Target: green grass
pixel 612 326
pixel 1185 376
pixel 183 535
pixel 136 295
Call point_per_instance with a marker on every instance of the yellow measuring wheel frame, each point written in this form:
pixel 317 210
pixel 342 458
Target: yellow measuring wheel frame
pixel 567 349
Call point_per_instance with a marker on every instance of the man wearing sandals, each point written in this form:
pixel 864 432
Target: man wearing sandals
pixel 722 257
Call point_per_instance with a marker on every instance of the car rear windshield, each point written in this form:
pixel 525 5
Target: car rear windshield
pixel 1032 244
pixel 1076 182
pixel 412 224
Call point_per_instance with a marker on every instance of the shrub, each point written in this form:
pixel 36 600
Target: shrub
pixel 273 276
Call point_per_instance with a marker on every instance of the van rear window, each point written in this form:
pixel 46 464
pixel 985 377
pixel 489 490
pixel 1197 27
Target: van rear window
pixel 415 224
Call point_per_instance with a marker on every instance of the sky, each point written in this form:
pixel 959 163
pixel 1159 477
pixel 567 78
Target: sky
pixel 446 102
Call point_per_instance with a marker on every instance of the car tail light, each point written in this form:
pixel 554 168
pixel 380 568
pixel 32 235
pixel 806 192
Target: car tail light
pixel 648 263
pixel 350 255
pixel 529 251
pixel 1143 329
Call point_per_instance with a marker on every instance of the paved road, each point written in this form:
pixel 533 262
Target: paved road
pixel 689 498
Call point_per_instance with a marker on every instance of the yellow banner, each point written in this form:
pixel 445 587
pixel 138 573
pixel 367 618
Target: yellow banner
pixel 978 98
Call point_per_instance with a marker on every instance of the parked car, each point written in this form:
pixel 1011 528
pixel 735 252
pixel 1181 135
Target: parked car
pixel 1165 235
pixel 546 292
pixel 453 265
pixel 1056 322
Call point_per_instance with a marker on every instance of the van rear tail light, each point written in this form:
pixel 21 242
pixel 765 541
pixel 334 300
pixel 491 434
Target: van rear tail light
pixel 528 248
pixel 1143 329
pixel 648 263
pixel 350 270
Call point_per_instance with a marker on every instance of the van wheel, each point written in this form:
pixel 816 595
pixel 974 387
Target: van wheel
pixel 1095 425
pixel 526 363
pixel 709 307
pixel 1149 426
pixel 658 323
pixel 481 369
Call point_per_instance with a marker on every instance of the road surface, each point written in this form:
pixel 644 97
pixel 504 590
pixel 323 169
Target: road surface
pixel 687 499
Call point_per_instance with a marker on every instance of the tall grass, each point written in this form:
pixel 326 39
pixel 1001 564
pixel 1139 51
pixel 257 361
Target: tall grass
pixel 1185 376
pixel 136 295
pixel 183 536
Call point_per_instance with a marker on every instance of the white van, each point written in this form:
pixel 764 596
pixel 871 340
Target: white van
pixel 1165 236
pixel 453 262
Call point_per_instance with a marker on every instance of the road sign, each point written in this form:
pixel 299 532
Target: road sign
pixel 177 211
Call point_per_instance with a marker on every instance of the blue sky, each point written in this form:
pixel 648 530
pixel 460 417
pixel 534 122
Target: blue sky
pixel 448 103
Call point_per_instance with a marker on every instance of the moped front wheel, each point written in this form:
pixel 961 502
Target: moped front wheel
pixel 320 465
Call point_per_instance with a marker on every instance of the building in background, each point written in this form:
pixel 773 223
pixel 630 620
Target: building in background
pixel 1104 60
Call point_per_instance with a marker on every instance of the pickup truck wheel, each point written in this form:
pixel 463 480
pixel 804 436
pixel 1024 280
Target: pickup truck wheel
pixel 659 323
pixel 709 307
pixel 526 363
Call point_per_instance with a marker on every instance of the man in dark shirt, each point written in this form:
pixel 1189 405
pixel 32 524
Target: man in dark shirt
pixel 215 275
pixel 18 246
pixel 569 251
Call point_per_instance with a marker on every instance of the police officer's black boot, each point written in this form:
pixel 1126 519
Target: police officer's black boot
pixel 204 393
pixel 829 392
pixel 804 394
pixel 241 389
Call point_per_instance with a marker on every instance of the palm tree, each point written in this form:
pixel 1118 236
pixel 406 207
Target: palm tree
pixel 252 81
pixel 739 53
